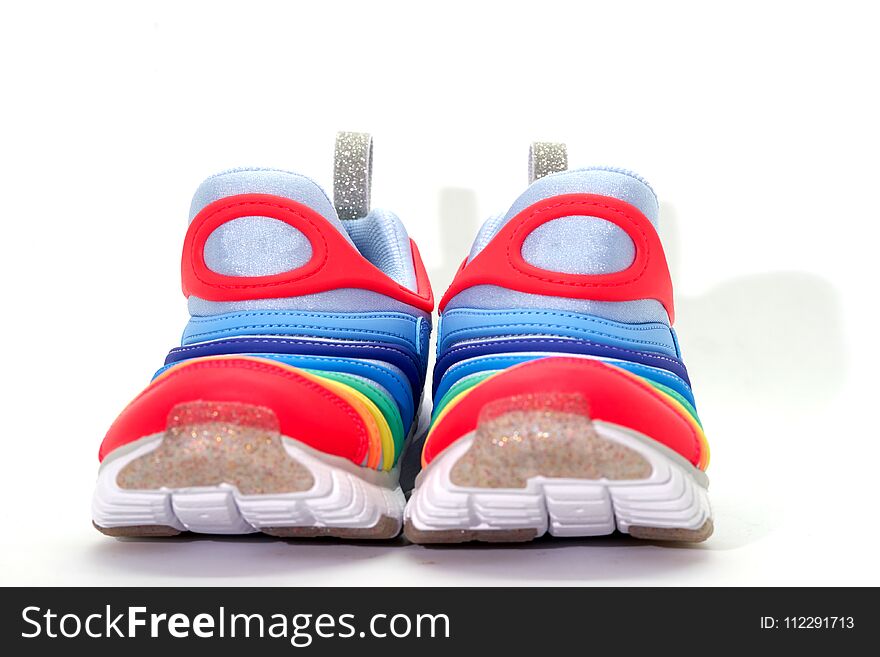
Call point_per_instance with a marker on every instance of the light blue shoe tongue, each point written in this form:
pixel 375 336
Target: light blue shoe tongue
pixel 265 181
pixel 260 246
pixel 264 246
pixel 580 245
pixel 605 181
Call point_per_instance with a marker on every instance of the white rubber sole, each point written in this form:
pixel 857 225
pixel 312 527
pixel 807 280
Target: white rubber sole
pixel 342 502
pixel 671 504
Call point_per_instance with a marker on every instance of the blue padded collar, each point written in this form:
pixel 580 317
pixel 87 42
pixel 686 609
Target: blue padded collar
pixel 470 323
pixel 395 328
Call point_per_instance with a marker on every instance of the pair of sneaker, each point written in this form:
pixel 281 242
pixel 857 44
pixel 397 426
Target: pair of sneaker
pixel 292 407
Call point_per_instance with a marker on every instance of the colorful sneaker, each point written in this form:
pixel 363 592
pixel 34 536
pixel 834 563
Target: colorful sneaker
pixel 561 403
pixel 300 373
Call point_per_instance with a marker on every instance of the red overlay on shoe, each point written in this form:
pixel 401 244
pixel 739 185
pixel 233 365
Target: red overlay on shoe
pixel 612 395
pixel 501 262
pixel 306 410
pixel 334 264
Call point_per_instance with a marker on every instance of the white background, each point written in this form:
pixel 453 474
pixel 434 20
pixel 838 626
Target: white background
pixel 757 125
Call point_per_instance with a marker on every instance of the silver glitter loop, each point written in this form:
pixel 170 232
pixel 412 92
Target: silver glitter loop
pixel 546 157
pixel 352 174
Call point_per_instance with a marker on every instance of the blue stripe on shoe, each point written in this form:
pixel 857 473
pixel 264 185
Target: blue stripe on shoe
pixel 469 323
pixel 398 329
pixel 401 358
pixel 385 375
pixel 551 344
pixel 499 362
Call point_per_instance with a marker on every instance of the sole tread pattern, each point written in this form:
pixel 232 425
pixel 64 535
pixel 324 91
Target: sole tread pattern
pixel 671 504
pixel 339 503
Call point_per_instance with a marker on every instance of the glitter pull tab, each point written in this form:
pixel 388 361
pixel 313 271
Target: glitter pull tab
pixel 546 157
pixel 352 174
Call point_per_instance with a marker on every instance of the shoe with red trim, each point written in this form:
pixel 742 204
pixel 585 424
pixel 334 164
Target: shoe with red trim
pixel 298 380
pixel 561 402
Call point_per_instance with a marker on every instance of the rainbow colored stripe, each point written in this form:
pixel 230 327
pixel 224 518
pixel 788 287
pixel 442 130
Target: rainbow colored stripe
pixel 475 345
pixel 376 408
pixel 461 389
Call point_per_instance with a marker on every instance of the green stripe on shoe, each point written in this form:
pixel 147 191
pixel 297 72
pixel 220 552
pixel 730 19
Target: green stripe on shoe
pixel 677 397
pixel 379 398
pixel 459 386
pixel 476 379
